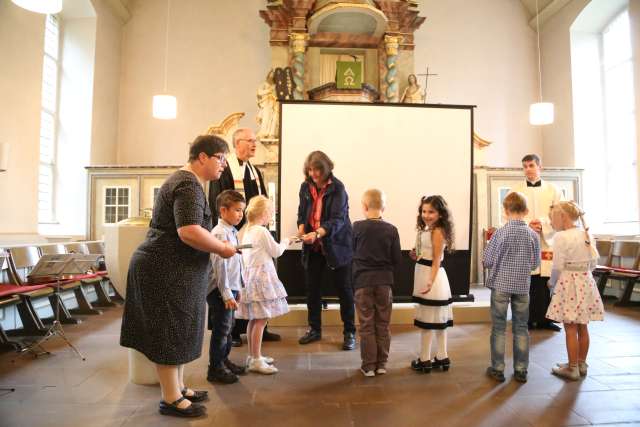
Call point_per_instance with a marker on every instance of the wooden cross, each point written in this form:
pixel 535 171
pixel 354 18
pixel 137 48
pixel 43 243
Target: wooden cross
pixel 426 81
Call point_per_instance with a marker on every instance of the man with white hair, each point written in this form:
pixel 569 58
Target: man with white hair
pixel 242 176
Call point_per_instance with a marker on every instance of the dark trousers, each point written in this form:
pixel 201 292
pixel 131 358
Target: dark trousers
pixel 341 278
pixel 221 323
pixel 373 304
pixel 539 299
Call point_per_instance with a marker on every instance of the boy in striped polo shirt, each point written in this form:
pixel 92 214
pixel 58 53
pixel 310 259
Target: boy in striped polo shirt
pixel 512 253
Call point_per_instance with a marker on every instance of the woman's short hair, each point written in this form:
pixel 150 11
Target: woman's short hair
pixel 318 160
pixel 257 206
pixel 207 144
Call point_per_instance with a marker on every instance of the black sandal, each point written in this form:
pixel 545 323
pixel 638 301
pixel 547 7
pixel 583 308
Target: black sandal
pixel 191 411
pixel 198 395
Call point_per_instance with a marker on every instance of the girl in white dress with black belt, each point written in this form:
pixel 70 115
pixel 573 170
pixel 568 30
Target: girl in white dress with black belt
pixel 431 291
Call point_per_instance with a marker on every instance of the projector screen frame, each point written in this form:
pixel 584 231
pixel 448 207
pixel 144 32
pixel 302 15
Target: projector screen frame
pixel 459 296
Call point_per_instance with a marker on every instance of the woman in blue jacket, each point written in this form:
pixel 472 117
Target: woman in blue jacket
pixel 325 229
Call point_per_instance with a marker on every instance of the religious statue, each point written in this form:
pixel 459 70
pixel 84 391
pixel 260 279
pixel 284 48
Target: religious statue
pixel 412 93
pixel 268 109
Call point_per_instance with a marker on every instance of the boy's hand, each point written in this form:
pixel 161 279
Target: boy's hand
pixel 536 225
pixel 231 304
pixel 412 254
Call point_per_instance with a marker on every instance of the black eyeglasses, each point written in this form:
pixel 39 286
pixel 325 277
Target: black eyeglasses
pixel 221 158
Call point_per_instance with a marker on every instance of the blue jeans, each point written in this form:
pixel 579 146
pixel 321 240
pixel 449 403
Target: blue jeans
pixel 519 319
pixel 221 323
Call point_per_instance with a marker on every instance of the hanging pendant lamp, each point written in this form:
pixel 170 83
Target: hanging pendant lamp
pixel 48 7
pixel 540 113
pixel 165 106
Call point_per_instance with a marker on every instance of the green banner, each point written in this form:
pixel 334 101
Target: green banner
pixel 348 75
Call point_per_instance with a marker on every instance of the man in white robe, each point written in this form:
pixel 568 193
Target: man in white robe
pixel 540 196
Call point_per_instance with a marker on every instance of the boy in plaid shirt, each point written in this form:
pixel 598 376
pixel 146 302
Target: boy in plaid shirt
pixel 512 253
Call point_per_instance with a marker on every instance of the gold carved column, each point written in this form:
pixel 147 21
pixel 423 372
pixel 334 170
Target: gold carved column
pixel 298 48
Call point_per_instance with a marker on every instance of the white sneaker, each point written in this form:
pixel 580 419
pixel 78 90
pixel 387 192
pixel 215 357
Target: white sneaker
pixel 267 359
pixel 381 371
pixel 582 367
pixel 367 373
pixel 568 372
pixel 261 367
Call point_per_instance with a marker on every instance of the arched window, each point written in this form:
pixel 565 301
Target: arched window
pixel 49 121
pixel 619 121
pixel 604 117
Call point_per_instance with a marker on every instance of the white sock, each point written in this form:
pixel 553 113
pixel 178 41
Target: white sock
pixel 425 351
pixel 441 339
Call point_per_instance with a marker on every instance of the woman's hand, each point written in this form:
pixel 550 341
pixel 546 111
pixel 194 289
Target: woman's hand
pixel 228 250
pixel 413 255
pixel 309 238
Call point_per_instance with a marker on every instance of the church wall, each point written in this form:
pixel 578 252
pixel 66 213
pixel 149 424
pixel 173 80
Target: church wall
pixel 106 87
pixel 218 56
pixel 484 54
pixel 21 47
pixel 216 66
pixel 555 45
pixel 21 50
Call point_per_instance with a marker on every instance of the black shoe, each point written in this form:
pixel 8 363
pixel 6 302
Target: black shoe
pixel 191 411
pixel 198 395
pixel 531 325
pixel 495 374
pixel 222 376
pixel 551 326
pixel 420 366
pixel 235 369
pixel 310 336
pixel 520 376
pixel 443 364
pixel 236 341
pixel 349 341
pixel 270 336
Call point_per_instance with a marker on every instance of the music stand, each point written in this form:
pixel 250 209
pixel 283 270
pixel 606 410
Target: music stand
pixel 57 268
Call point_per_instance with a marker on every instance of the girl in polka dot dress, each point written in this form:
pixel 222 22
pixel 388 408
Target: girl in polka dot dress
pixel 576 300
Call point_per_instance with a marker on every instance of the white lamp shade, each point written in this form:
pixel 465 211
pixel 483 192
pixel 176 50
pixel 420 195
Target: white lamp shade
pixel 4 156
pixel 165 107
pixel 48 7
pixel 541 113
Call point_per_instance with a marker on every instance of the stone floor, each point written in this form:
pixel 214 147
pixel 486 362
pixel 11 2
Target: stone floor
pixel 320 385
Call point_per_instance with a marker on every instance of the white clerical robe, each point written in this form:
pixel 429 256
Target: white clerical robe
pixel 539 201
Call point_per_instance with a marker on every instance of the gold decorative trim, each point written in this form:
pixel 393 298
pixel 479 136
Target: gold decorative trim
pixel 225 125
pixel 479 142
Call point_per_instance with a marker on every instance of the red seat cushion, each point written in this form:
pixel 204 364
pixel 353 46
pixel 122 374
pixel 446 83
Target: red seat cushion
pixel 11 289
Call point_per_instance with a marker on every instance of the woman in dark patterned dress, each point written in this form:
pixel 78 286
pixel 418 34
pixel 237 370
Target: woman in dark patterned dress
pixel 164 312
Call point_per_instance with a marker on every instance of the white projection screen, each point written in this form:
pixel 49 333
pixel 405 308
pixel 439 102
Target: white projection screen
pixel 408 151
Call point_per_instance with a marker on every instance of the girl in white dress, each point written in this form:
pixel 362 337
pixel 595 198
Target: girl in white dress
pixel 431 291
pixel 575 300
pixel 263 295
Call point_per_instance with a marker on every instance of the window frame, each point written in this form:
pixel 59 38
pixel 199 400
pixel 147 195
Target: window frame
pixel 117 205
pixel 54 114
